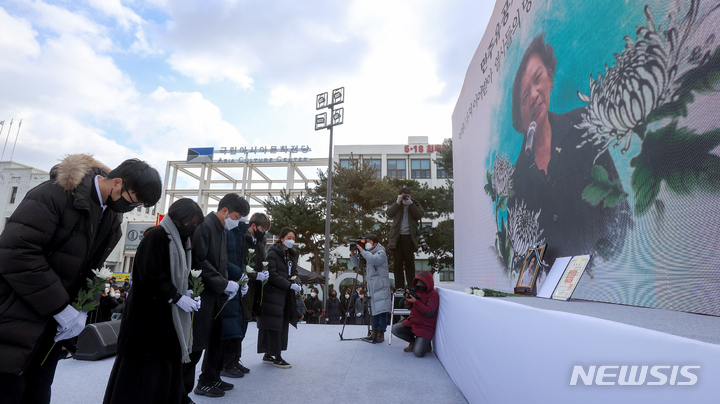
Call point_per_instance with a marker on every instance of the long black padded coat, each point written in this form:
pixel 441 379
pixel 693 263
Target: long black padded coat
pixel 38 276
pixel 278 302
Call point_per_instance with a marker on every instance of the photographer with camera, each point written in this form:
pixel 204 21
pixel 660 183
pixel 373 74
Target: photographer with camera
pixel 378 283
pixel 405 214
pixel 419 328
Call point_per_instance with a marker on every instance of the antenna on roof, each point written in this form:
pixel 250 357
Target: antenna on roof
pixel 6 139
pixel 16 137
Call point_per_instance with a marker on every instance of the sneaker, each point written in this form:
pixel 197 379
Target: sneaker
pixel 208 390
pixel 280 362
pixel 240 366
pixel 232 373
pixel 225 386
pixel 268 359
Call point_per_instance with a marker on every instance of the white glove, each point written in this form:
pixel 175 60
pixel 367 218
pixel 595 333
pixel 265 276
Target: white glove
pixel 347 314
pixel 244 289
pixel 73 331
pixel 327 319
pixel 262 276
pixel 358 314
pixel 295 287
pixel 188 304
pixel 68 317
pixel 407 201
pixel 399 199
pixel 189 293
pixel 231 289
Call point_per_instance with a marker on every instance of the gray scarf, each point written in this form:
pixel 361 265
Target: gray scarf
pixel 179 273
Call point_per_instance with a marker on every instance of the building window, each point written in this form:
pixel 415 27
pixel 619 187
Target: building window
pixel 154 210
pixel 377 165
pixel 396 169
pixel 420 169
pixel 7 220
pixel 147 210
pixel 13 195
pixel 447 275
pixel 442 174
pixel 345 163
pixel 140 209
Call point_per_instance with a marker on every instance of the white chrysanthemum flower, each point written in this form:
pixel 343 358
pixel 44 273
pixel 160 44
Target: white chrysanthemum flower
pixel 195 273
pixel 469 291
pixel 293 278
pixel 103 273
pixel 646 75
pixel 251 250
pixel 502 175
pixel 478 292
pixel 249 269
pixel 523 228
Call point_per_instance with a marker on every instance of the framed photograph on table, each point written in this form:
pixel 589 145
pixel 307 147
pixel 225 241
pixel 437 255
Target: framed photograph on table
pixel 530 269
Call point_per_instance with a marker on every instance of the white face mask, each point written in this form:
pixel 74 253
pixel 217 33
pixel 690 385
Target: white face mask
pixel 289 243
pixel 368 246
pixel 347 296
pixel 231 224
pixel 107 290
pixel 312 294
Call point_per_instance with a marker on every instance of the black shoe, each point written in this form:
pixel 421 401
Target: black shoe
pixel 225 386
pixel 240 366
pixel 280 362
pixel 234 373
pixel 268 359
pixel 208 390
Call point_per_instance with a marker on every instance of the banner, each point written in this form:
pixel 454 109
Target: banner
pixel 594 127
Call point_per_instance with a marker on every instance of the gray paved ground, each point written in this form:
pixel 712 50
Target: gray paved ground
pixel 324 370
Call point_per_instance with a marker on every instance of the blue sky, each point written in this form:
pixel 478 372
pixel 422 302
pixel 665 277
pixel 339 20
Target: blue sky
pixel 124 79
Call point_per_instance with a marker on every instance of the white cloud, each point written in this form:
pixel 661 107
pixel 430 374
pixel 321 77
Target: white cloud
pixel 74 98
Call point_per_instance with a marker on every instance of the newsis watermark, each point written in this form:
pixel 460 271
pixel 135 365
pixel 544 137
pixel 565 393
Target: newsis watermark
pixel 634 375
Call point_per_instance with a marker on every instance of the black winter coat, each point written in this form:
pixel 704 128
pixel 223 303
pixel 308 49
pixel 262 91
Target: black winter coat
pixel 209 255
pixel 147 327
pixel 38 276
pixel 251 301
pixel 313 306
pixel 332 310
pixel 279 301
pixel 233 313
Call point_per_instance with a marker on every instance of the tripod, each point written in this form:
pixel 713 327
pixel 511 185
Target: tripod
pixel 357 273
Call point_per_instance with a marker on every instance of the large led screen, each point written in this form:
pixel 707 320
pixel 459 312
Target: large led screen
pixel 594 127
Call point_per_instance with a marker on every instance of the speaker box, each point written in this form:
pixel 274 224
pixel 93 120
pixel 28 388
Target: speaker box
pixel 97 341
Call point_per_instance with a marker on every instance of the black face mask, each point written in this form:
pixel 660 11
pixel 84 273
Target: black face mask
pixel 186 231
pixel 421 286
pixel 122 205
pixel 259 235
pixel 333 295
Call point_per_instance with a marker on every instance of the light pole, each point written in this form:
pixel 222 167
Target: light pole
pixel 321 122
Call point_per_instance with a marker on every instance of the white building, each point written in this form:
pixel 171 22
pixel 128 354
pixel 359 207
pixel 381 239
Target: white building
pixel 15 181
pixel 414 160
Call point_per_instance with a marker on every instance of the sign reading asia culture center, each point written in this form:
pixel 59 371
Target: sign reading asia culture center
pixel 206 154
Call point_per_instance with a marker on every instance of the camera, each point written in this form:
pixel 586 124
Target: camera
pixel 354 242
pixel 425 231
pixel 410 291
pixel 406 197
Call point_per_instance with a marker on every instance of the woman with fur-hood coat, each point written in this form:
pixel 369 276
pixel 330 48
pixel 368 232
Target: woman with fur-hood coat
pixel 50 244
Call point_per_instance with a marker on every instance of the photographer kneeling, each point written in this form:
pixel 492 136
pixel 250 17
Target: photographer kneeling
pixel 378 284
pixel 419 328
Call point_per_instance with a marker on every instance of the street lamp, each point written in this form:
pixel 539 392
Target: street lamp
pixel 321 122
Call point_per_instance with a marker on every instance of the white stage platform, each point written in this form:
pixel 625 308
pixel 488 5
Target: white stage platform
pixel 324 370
pixel 501 350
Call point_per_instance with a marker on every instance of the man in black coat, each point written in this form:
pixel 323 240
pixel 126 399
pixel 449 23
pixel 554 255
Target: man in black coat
pixel 63 228
pixel 210 254
pixel 405 213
